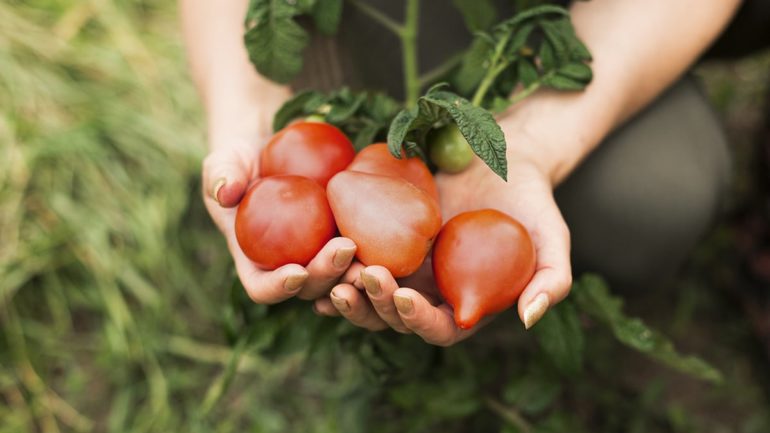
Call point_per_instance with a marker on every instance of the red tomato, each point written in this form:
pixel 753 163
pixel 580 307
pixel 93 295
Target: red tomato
pixel 376 159
pixel 392 222
pixel 310 149
pixel 283 219
pixel 482 260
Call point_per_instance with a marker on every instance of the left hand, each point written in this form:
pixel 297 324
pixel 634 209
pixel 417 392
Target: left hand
pixel 413 305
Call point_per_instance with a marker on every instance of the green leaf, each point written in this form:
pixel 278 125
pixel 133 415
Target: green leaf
pixel 520 38
pixel 534 392
pixel 473 67
pixel 273 39
pixel 399 128
pixel 528 14
pixel 366 136
pixel 478 14
pixel 577 71
pixel 327 14
pixel 553 34
pixel 342 112
pixel 527 72
pixel 547 56
pixel 562 82
pixel 293 108
pixel 479 128
pixel 561 337
pixel 593 297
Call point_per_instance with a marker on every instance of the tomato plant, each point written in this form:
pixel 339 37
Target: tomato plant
pixel 283 219
pixel 482 261
pixel 392 222
pixel 376 159
pixel 449 150
pixel 315 150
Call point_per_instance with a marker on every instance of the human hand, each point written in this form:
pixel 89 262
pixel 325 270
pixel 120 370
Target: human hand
pixel 228 170
pixel 413 305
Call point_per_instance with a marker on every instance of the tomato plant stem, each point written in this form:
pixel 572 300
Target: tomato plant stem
pixel 496 65
pixel 408 37
pixel 437 72
pixel 509 414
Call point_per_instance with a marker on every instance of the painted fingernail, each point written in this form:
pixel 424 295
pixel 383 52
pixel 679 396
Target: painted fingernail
pixel 341 304
pixel 218 186
pixel 404 304
pixel 371 284
pixel 343 256
pixel 535 310
pixel 294 282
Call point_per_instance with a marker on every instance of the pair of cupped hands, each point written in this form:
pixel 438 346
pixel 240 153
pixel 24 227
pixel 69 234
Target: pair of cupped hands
pixel 369 296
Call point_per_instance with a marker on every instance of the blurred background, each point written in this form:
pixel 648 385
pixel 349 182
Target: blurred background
pixel 116 297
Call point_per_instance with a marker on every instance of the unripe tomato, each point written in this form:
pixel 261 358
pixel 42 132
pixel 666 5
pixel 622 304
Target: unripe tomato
pixel 449 150
pixel 376 159
pixel 482 260
pixel 392 222
pixel 314 150
pixel 282 220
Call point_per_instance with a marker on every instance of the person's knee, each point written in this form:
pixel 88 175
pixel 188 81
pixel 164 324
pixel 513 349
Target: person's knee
pixel 639 205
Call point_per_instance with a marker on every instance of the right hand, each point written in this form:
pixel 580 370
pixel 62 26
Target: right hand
pixel 228 170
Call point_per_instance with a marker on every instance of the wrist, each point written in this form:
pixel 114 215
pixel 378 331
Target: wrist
pixel 554 131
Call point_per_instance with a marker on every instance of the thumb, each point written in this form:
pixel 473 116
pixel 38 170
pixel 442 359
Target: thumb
pixel 227 172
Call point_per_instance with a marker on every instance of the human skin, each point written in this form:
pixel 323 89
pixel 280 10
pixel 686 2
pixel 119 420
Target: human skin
pixel 639 49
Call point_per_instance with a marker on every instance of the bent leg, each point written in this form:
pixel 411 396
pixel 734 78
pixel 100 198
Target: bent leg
pixel 639 204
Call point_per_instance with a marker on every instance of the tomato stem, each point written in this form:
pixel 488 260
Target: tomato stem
pixel 408 37
pixel 496 66
pixel 378 16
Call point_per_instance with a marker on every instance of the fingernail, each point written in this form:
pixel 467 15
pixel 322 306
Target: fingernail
pixel 341 304
pixel 343 256
pixel 293 283
pixel 371 284
pixel 217 186
pixel 535 310
pixel 404 304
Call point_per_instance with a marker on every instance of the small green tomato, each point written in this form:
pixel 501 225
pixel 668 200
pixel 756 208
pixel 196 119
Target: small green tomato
pixel 449 150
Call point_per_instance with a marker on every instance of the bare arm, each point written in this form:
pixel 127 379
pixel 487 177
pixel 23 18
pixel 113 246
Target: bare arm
pixel 233 93
pixel 240 106
pixel 639 49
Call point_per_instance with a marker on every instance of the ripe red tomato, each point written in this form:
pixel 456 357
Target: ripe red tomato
pixel 376 159
pixel 392 222
pixel 482 260
pixel 282 220
pixel 314 150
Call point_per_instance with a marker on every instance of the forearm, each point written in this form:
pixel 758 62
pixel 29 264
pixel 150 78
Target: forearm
pixel 237 99
pixel 639 49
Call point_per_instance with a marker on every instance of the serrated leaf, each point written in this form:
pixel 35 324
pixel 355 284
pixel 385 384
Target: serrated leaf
pixel 478 14
pixel 399 128
pixel 273 39
pixel 561 337
pixel 327 14
pixel 577 71
pixel 592 296
pixel 562 82
pixel 293 108
pixel 527 72
pixel 479 128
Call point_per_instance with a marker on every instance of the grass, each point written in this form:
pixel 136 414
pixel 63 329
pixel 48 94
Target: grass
pixel 115 289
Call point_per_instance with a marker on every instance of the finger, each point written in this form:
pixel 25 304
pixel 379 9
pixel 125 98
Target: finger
pixel 355 306
pixel 553 277
pixel 435 325
pixel 353 275
pixel 266 287
pixel 380 285
pixel 324 307
pixel 227 172
pixel 327 266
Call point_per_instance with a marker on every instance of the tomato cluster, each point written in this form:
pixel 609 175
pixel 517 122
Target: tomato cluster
pixel 313 185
